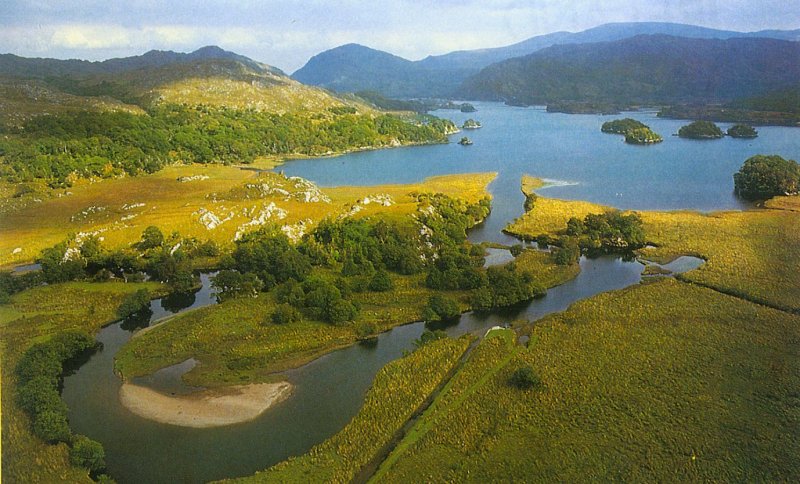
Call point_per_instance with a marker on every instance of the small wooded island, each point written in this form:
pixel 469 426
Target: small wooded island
pixel 471 124
pixel 635 132
pixel 701 130
pixel 742 131
pixel 465 141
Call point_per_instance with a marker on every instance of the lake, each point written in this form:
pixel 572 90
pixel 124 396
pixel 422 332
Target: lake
pixel 329 391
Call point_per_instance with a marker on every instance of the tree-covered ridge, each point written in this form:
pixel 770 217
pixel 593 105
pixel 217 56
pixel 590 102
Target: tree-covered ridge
pixel 763 176
pixel 87 144
pixel 701 130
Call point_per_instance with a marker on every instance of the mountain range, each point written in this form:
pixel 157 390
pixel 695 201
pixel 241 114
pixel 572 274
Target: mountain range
pixel 353 67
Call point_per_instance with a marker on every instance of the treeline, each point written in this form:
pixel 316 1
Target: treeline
pixel 90 144
pixel 39 373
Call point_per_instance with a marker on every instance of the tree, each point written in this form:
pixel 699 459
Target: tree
pixel 429 336
pixel 525 378
pixel 231 284
pixel 381 282
pixel 285 313
pixel 440 308
pixel 340 311
pixel 51 426
pixel 151 238
pixel 134 303
pixel 762 177
pixel 87 453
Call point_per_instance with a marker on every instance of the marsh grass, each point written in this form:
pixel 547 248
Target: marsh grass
pixel 658 382
pixel 752 254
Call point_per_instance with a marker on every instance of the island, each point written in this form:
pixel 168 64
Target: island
pixel 622 126
pixel 742 131
pixel 467 108
pixel 642 136
pixel 471 124
pixel 465 141
pixel 635 132
pixel 766 176
pixel 701 130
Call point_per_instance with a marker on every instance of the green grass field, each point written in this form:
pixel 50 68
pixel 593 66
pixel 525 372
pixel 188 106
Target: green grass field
pixel 36 315
pixel 659 382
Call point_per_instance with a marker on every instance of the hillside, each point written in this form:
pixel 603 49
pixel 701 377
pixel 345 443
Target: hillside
pixel 642 69
pixel 207 76
pixel 352 67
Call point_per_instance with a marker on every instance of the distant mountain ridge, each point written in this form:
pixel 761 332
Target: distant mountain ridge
pixel 15 66
pixel 353 67
pixel 642 69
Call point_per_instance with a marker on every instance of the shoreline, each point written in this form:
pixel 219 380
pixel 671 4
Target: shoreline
pixel 205 409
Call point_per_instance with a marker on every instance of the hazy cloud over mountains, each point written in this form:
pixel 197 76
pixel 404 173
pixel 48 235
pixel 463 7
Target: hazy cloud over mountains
pixel 286 33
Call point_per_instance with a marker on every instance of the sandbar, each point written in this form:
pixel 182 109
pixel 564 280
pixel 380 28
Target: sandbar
pixel 207 408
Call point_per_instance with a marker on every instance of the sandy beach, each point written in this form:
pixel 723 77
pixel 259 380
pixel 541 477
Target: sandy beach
pixel 208 408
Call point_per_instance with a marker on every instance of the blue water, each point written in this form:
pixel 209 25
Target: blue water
pixel 675 174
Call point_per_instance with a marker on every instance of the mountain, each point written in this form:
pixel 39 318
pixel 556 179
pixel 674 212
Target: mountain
pixel 16 66
pixel 642 69
pixel 353 67
pixel 208 76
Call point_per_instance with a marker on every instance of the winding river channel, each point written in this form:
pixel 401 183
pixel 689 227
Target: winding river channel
pixel 586 164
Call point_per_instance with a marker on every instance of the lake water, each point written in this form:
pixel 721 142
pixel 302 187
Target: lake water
pixel 329 391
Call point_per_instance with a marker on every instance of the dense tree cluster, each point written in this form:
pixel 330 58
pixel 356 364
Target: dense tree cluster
pixel 642 136
pixel 88 144
pixel 610 232
pixel 763 176
pixel 621 126
pixel 742 131
pixel 505 286
pixel 39 374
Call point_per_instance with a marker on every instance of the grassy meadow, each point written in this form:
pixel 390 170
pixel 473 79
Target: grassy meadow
pixel 179 198
pixel 661 381
pixel 34 316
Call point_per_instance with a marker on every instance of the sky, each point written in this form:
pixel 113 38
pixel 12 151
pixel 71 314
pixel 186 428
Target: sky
pixel 286 33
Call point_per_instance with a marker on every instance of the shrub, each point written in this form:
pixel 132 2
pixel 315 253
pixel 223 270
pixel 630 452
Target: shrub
pixel 516 249
pixel 381 282
pixel 51 426
pixel 285 313
pixel 134 303
pixel 365 329
pixel 87 453
pixel 439 308
pixel 762 177
pixel 525 378
pixel 340 311
pixel 429 336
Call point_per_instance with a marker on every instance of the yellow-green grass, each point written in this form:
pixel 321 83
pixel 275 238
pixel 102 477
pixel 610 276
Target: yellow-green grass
pixel 491 355
pixel 664 381
pixel 399 390
pixel 236 342
pixel 752 253
pixel 541 265
pixel 173 205
pixel 32 316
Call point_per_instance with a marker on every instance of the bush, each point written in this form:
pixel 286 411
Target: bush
pixel 340 311
pixel 516 249
pixel 87 453
pixel 525 378
pixel 365 329
pixel 51 426
pixel 762 177
pixel 230 284
pixel 381 282
pixel 285 313
pixel 440 308
pixel 135 303
pixel 429 336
